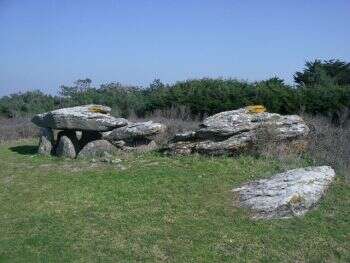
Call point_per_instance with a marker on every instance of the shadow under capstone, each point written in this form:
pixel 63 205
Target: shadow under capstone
pixel 25 149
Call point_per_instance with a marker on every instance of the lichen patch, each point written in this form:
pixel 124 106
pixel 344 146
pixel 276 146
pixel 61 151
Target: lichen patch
pixel 97 109
pixel 256 109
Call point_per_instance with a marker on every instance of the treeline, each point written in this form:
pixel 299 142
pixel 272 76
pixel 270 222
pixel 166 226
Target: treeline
pixel 323 87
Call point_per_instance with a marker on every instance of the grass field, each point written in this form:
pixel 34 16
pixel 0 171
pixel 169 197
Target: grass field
pixel 159 209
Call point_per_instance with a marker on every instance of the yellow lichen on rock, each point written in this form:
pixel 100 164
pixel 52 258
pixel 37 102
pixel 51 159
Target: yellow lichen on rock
pixel 97 109
pixel 299 146
pixel 256 109
pixel 296 199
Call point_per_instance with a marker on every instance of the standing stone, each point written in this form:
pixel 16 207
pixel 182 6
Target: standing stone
pixel 72 135
pixel 66 148
pixel 46 141
pixel 288 194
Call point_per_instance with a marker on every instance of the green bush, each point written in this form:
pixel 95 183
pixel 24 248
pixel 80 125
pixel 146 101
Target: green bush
pixel 26 104
pixel 322 89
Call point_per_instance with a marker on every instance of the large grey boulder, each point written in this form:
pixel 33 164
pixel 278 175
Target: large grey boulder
pixel 229 123
pixel 234 131
pixel 137 137
pixel 287 194
pixel 46 141
pixel 97 149
pixel 231 145
pixel 140 130
pixel 66 148
pixel 85 118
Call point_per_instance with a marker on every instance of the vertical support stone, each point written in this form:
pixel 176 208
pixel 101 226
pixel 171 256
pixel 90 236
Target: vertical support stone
pixel 46 141
pixel 67 144
pixel 66 148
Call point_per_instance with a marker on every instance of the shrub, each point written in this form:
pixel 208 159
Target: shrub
pixel 17 128
pixel 329 144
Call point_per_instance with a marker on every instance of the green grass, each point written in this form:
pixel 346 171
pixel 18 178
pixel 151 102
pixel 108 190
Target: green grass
pixel 159 209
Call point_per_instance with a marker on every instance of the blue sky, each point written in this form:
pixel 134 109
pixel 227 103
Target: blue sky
pixel 46 43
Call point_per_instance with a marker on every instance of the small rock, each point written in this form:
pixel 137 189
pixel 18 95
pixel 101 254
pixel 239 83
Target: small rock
pixel 79 135
pixel 109 158
pixel 121 167
pixel 118 144
pixel 116 161
pixel 287 194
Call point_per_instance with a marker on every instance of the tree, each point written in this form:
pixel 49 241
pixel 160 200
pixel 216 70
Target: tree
pixel 276 96
pixel 327 72
pixel 80 86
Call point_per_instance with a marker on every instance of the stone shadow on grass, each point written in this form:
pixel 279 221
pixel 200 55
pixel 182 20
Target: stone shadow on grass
pixel 25 149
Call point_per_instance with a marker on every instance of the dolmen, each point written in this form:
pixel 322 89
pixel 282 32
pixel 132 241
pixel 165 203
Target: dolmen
pixel 91 131
pixel 231 132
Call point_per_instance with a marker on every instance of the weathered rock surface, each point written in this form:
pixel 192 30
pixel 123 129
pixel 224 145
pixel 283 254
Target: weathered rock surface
pixel 230 132
pixel 66 148
pixel 72 135
pixel 229 123
pixel 135 136
pixel 141 130
pixel 185 136
pixel 46 141
pixel 84 118
pixel 141 147
pixel 231 145
pixel 97 149
pixel 287 194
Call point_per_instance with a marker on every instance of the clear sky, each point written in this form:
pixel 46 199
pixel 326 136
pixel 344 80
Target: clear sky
pixel 46 43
